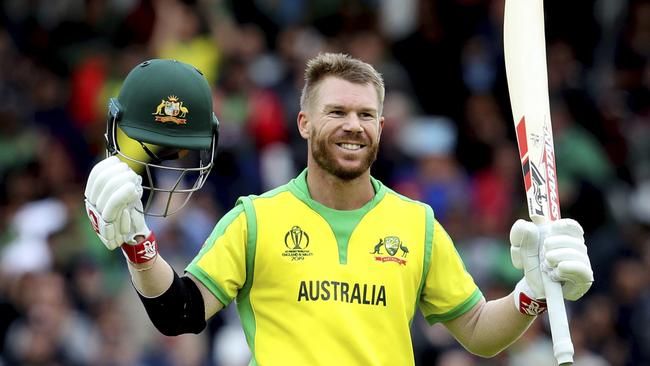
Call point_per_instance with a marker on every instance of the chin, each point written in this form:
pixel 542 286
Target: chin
pixel 345 168
pixel 348 174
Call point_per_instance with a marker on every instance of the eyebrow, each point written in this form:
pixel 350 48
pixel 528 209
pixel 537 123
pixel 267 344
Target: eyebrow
pixel 328 107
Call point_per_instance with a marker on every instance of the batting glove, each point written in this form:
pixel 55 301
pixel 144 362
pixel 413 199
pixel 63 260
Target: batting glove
pixel 113 205
pixel 557 249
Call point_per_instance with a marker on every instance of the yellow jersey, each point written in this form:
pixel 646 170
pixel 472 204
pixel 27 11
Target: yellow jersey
pixel 318 286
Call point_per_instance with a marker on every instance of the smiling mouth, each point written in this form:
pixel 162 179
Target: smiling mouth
pixel 350 146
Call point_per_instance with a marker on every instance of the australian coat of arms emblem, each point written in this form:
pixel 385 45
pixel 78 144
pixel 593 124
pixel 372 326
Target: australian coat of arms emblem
pixel 171 110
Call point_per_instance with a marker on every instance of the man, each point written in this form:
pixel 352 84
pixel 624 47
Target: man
pixel 331 267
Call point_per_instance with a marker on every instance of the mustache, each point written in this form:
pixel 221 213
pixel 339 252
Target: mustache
pixel 352 137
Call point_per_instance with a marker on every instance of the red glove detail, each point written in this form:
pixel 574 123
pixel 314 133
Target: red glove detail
pixel 94 221
pixel 528 306
pixel 143 251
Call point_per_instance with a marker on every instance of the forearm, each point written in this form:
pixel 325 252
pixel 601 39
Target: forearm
pixel 174 304
pixel 152 278
pixel 490 326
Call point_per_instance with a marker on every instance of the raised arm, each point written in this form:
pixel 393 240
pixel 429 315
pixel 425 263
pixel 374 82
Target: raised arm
pixel 489 327
pixel 176 304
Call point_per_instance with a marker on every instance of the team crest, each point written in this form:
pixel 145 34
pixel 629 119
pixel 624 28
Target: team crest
pixel 296 240
pixel 392 245
pixel 171 110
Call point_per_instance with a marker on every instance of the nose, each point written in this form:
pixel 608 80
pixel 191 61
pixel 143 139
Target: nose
pixel 352 123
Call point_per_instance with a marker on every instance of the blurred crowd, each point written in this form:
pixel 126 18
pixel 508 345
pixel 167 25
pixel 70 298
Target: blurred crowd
pixel 448 141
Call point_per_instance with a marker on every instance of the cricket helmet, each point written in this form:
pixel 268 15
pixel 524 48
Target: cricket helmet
pixel 164 108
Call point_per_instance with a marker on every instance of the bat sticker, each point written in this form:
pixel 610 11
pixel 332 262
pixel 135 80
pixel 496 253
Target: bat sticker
pixel 551 175
pixel 540 198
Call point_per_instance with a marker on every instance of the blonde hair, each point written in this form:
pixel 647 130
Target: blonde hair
pixel 342 66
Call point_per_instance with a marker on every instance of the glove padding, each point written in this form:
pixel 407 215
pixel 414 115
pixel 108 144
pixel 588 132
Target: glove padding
pixel 113 193
pixel 563 256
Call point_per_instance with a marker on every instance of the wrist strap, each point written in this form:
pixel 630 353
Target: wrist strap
pixel 143 251
pixel 526 302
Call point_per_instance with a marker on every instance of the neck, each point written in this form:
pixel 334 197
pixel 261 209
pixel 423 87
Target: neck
pixel 336 193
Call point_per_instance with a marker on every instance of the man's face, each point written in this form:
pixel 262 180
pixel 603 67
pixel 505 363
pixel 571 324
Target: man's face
pixel 343 127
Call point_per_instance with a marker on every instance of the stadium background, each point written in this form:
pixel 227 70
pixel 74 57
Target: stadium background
pixel 448 140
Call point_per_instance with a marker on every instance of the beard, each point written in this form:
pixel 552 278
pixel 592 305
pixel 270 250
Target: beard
pixel 324 157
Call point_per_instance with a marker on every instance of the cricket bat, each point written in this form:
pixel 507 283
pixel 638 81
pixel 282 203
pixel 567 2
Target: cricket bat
pixel 525 58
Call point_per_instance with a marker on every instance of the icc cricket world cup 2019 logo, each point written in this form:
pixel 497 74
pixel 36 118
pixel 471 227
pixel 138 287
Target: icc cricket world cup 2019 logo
pixel 297 241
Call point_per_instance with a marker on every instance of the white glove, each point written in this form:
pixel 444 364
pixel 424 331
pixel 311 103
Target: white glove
pixel 563 256
pixel 113 193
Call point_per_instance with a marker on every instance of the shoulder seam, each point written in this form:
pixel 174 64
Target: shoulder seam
pixel 251 243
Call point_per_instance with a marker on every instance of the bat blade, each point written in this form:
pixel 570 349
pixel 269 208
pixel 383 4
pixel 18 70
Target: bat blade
pixel 525 58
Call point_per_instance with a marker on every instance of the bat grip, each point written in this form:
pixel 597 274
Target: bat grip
pixel 562 346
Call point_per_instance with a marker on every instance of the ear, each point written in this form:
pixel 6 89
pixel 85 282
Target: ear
pixel 381 127
pixel 303 124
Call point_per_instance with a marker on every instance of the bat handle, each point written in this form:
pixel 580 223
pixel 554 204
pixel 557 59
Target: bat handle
pixel 562 346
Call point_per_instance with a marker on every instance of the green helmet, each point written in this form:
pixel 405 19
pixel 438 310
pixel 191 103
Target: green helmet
pixel 166 106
